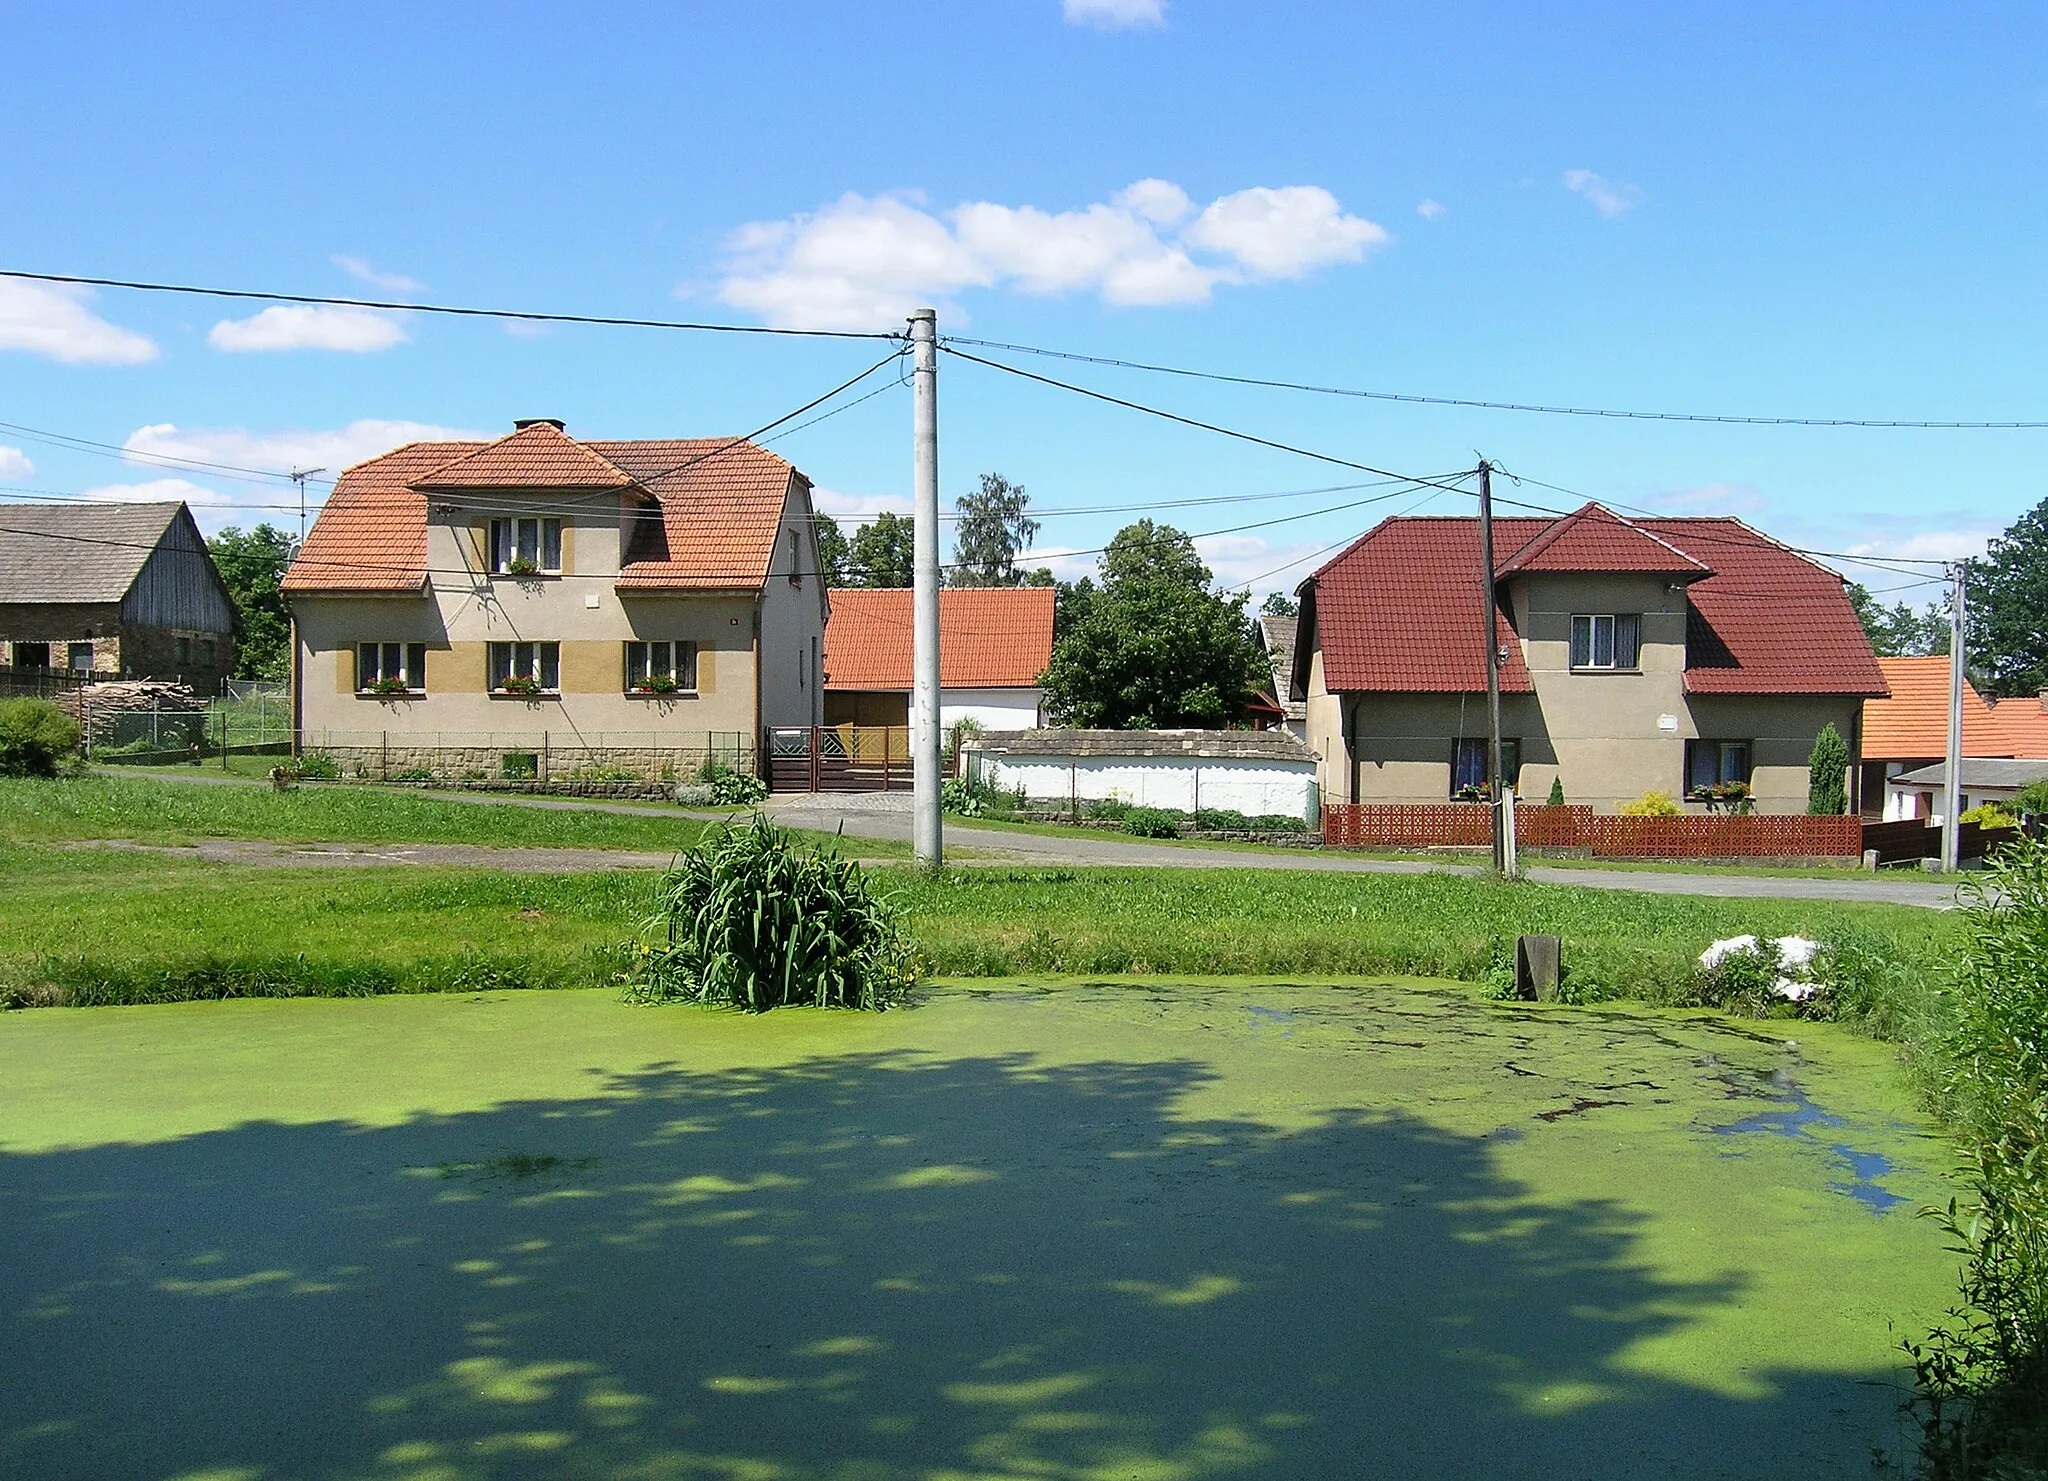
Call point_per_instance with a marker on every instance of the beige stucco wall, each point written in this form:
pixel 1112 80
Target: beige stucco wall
pixel 466 609
pixel 793 620
pixel 1611 736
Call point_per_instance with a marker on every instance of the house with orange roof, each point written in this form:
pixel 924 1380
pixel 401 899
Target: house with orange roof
pixel 994 642
pixel 1636 655
pixel 615 604
pixel 1907 731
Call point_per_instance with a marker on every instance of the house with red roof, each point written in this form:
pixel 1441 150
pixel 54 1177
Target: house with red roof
pixel 614 599
pixel 1908 732
pixel 1637 655
pixel 994 642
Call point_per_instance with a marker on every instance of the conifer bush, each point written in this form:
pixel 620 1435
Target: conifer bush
pixel 34 737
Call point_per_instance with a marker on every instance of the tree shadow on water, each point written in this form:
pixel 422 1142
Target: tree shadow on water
pixel 859 1268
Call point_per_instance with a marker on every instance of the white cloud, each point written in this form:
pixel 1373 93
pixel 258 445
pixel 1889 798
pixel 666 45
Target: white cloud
pixel 14 463
pixel 865 261
pixel 1430 210
pixel 305 326
pixel 1708 499
pixel 333 450
pixel 1114 15
pixel 1931 545
pixel 212 509
pixel 1284 233
pixel 1608 198
pixel 52 320
pixel 1238 560
pixel 857 509
pixel 361 269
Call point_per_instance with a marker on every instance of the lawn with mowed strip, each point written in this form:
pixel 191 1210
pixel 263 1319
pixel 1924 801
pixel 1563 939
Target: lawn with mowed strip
pixel 1170 1229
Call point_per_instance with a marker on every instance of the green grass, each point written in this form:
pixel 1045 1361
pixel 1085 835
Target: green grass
pixel 153 811
pixel 143 929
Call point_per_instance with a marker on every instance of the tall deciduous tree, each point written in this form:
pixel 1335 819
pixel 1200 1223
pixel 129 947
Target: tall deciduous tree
pixel 991 533
pixel 2008 608
pixel 1279 604
pixel 883 552
pixel 1900 631
pixel 834 554
pixel 252 565
pixel 1154 646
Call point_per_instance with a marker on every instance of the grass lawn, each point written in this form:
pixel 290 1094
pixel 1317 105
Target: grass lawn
pixel 141 928
pixel 149 810
pixel 1171 1230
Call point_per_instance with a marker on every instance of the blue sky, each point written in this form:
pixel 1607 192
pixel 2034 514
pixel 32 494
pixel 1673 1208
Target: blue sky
pixel 1828 210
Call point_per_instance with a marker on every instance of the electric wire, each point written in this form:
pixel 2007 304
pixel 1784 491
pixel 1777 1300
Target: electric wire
pixel 1471 403
pixel 453 310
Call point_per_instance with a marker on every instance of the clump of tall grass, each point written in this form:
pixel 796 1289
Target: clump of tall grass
pixel 1983 1374
pixel 750 919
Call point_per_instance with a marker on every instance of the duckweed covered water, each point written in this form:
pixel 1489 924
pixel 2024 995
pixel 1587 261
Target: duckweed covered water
pixel 1084 1230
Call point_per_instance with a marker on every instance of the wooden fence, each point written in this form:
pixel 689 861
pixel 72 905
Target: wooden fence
pixel 1606 835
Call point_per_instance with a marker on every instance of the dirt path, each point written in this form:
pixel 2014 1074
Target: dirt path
pixel 885 816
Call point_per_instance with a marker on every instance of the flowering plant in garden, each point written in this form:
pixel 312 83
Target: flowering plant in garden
pixel 390 686
pixel 525 684
pixel 1728 797
pixel 655 684
pixel 522 566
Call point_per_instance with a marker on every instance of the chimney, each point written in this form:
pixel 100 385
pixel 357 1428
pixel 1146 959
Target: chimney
pixel 2044 701
pixel 520 424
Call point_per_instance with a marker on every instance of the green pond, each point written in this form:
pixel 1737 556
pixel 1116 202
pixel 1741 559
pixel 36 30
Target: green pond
pixel 1117 1231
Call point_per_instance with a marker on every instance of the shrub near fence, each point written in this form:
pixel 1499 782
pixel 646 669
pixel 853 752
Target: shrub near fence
pixel 1470 825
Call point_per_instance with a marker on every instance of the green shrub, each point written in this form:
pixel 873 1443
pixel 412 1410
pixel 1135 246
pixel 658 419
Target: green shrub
pixel 1981 1375
pixel 519 766
pixel 1743 981
pixel 1279 822
pixel 1557 791
pixel 1151 822
pixel 1827 789
pixel 34 737
pixel 2032 799
pixel 1221 820
pixel 316 768
pixel 1652 804
pixel 1988 815
pixel 750 919
pixel 737 789
pixel 1111 809
pixel 959 797
pixel 414 774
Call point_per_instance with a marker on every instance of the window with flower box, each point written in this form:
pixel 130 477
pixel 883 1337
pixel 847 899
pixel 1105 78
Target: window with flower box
pixel 391 668
pixel 526 668
pixel 526 547
pixel 661 668
pixel 1717 771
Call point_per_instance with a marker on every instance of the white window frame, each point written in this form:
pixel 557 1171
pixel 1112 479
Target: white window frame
pixel 672 658
pixel 379 661
pixel 537 538
pixel 1609 624
pixel 525 660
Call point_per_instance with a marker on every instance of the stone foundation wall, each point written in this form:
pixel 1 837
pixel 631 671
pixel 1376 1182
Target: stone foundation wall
pixel 402 760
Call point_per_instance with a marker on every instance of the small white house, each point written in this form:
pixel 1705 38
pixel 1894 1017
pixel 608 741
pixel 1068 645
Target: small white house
pixel 1918 793
pixel 994 642
pixel 1255 772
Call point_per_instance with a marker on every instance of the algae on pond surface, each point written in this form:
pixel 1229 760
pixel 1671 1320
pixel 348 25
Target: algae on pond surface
pixel 1059 1229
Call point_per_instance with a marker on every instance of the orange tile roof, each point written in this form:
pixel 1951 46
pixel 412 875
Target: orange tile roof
pixel 2023 726
pixel 1913 723
pixel 537 456
pixel 990 637
pixel 721 500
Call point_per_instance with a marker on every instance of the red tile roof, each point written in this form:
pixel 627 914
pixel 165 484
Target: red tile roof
pixel 721 500
pixel 537 456
pixel 1596 539
pixel 990 637
pixel 2023 726
pixel 1399 610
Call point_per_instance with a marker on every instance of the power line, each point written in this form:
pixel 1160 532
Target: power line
pixel 1473 404
pixel 137 455
pixel 397 306
pixel 1154 411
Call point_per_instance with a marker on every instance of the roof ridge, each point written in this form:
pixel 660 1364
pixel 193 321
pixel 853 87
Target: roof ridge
pixel 545 433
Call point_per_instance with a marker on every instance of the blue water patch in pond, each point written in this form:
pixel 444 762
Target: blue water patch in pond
pixel 1802 1118
pixel 1280 1018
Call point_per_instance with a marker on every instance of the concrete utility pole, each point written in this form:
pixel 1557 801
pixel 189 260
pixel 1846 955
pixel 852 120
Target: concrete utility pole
pixel 299 477
pixel 926 837
pixel 1952 772
pixel 1489 633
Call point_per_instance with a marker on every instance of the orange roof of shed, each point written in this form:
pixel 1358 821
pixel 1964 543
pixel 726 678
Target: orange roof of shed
pixel 1914 722
pixel 990 637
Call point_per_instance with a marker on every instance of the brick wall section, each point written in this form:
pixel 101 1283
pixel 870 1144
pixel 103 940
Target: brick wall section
pixel 1469 825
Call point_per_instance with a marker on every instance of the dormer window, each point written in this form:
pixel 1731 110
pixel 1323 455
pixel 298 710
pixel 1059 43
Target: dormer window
pixel 526 547
pixel 1607 640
